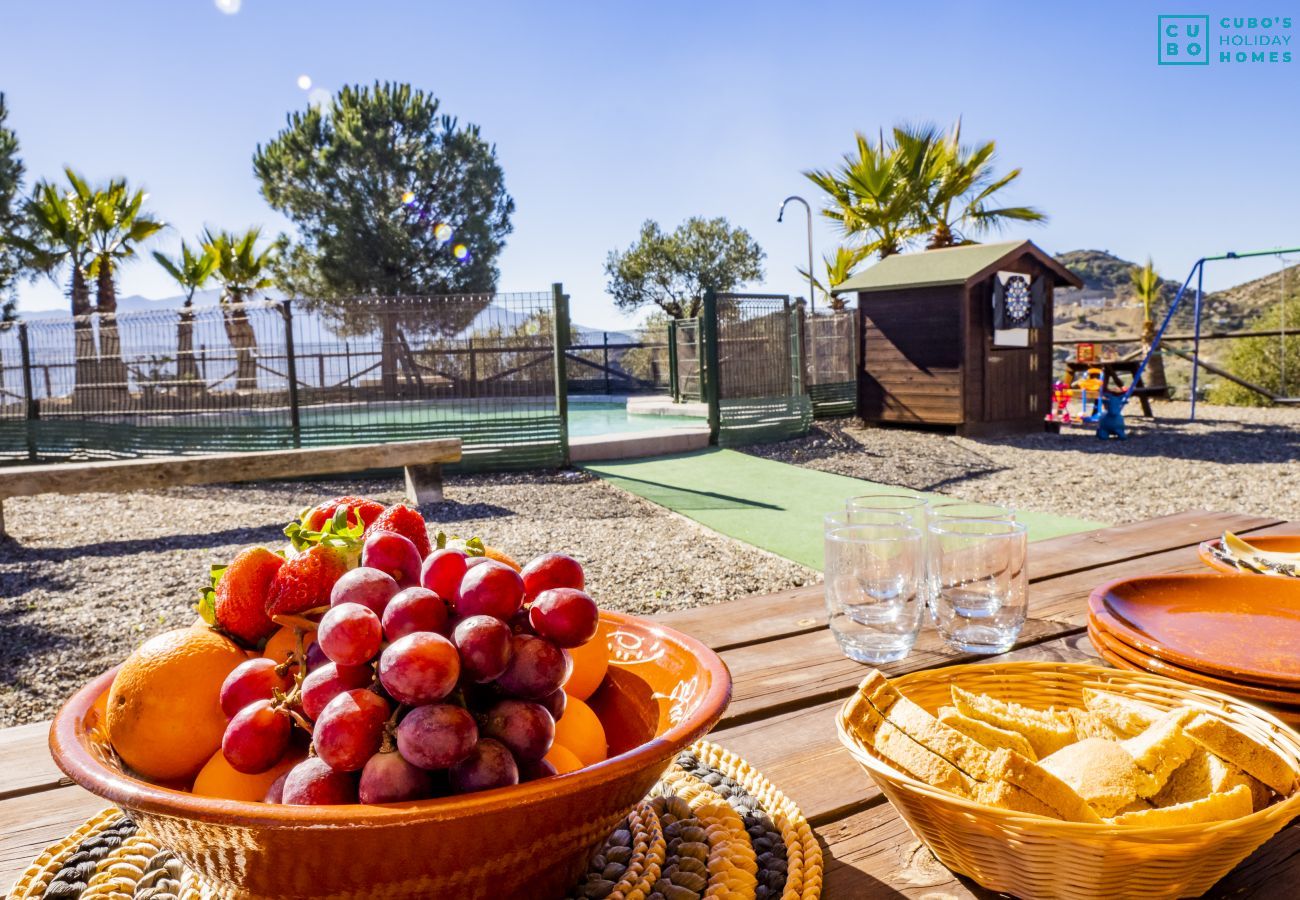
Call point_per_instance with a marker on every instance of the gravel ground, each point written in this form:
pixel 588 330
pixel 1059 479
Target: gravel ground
pixel 1231 459
pixel 87 578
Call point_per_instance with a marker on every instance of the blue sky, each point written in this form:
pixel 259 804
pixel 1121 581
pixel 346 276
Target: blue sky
pixel 608 113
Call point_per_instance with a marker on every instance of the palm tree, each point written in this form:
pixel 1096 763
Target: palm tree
pixel 838 269
pixel 1146 286
pixel 871 198
pixel 242 270
pixel 191 270
pixel 58 229
pixel 117 225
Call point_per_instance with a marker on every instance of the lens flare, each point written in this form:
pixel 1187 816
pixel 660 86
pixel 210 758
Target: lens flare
pixel 408 198
pixel 442 231
pixel 304 82
pixel 460 251
pixel 229 7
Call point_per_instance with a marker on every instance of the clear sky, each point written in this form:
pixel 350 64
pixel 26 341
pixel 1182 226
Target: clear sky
pixel 608 113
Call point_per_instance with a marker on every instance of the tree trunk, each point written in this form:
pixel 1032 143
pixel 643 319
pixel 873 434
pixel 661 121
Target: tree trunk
pixel 187 369
pixel 112 366
pixel 388 353
pixel 83 330
pixel 1155 371
pixel 243 340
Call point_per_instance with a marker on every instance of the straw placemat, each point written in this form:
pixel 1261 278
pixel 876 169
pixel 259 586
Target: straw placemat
pixel 712 827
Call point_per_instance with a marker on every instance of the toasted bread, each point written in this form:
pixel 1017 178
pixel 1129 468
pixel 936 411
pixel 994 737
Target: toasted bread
pixel 1137 805
pixel 1128 717
pixel 1204 774
pixel 1101 773
pixel 1231 804
pixel 1046 730
pixel 1242 750
pixel 1004 795
pixel 1161 749
pixel 991 736
pixel 966 754
pixel 1091 725
pixel 1044 786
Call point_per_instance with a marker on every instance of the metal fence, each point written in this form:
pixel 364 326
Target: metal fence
pixel 686 340
pixel 602 362
pixel 830 350
pixel 268 375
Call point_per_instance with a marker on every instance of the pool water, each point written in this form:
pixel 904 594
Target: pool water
pixel 587 418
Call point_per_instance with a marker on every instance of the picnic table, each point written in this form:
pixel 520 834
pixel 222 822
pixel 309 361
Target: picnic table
pixel 790 679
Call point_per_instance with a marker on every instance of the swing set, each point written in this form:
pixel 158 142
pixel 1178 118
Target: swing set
pixel 1284 398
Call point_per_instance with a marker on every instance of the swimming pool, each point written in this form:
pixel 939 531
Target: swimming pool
pixel 588 418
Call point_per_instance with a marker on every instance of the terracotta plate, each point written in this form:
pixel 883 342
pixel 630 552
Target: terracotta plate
pixel 1237 627
pixel 1276 543
pixel 1101 639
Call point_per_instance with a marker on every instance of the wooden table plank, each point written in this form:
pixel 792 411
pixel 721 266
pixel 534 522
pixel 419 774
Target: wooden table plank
pixel 750 620
pixel 30 823
pixel 25 763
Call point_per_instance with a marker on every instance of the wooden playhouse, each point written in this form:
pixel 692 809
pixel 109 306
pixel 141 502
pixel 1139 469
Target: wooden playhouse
pixel 959 337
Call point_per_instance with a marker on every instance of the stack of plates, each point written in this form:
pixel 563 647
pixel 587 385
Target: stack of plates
pixel 1239 634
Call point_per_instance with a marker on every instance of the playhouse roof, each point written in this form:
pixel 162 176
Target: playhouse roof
pixel 951 265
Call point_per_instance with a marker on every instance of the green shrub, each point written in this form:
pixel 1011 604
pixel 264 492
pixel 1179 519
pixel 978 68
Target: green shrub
pixel 1263 360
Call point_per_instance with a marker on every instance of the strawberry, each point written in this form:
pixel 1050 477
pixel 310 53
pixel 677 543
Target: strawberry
pixel 305 581
pixel 405 521
pixel 314 519
pixel 236 603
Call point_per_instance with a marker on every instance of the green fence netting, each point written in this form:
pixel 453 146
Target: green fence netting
pixel 760 370
pixel 830 344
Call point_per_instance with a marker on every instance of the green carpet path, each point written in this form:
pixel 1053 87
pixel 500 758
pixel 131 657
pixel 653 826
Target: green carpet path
pixel 770 504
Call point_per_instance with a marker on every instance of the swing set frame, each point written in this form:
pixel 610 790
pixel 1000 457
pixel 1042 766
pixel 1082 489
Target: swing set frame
pixel 1198 273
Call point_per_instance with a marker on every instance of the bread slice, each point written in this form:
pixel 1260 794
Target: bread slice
pixel 1101 773
pixel 1137 805
pixel 1204 774
pixel 1128 717
pixel 1046 730
pixel 1161 749
pixel 1045 787
pixel 1243 751
pixel 1005 795
pixel 1231 804
pixel 966 754
pixel 991 736
pixel 1090 725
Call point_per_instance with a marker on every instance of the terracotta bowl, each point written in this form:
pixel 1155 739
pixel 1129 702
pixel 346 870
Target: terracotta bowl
pixel 1276 543
pixel 664 691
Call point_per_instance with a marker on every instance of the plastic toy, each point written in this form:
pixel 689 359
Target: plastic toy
pixel 1090 395
pixel 1061 396
pixel 1111 422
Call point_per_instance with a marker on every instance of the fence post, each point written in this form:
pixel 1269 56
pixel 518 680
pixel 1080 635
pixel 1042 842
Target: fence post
pixel 560 339
pixel 473 369
pixel 33 409
pixel 709 375
pixel 672 360
pixel 291 364
pixel 606 336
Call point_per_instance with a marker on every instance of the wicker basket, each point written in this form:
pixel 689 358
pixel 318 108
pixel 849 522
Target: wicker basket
pixel 1032 856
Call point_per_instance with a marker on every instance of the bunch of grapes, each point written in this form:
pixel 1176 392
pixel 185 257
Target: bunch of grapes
pixel 446 679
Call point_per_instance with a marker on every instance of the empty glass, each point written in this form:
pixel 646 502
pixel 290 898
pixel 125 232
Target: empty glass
pixel 978 587
pixel 961 509
pixel 842 517
pixel 875 576
pixel 909 505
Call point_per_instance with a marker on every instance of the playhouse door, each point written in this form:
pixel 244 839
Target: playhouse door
pixel 1011 379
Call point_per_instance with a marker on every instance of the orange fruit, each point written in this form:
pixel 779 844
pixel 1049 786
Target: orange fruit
pixel 502 557
pixel 280 646
pixel 164 711
pixel 580 731
pixel 219 779
pixel 590 662
pixel 563 759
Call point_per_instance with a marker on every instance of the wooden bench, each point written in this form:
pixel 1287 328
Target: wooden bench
pixel 422 461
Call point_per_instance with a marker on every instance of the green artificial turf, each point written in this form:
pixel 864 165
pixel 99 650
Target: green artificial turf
pixel 766 503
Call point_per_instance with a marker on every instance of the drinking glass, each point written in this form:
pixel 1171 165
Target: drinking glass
pixel 843 517
pixel 911 506
pixel 978 593
pixel 961 509
pixel 874 589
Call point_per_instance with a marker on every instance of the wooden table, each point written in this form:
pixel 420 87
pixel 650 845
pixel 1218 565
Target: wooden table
pixel 790 679
pixel 1110 378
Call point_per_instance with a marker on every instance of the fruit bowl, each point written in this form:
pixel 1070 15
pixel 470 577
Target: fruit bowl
pixel 663 691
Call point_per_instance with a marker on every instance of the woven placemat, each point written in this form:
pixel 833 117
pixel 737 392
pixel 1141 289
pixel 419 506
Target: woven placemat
pixel 713 826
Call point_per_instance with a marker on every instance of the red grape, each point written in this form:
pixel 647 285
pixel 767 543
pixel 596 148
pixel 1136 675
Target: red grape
pixel 256 738
pixel 315 657
pixel 415 609
pixel 313 783
pixel 275 793
pixel 330 680
pixel 537 667
pixel 350 634
pixel 436 736
pixel 551 570
pixel 489 765
pixel 542 768
pixel 484 645
pixel 527 729
pixel 370 587
pixel 388 778
pixel 350 729
pixel 252 680
pixel 564 616
pixel 556 702
pixel 392 553
pixel 491 589
pixel 472 561
pixel 442 571
pixel 420 668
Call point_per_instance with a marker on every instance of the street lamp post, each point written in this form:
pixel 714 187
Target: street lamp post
pixel 812 297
